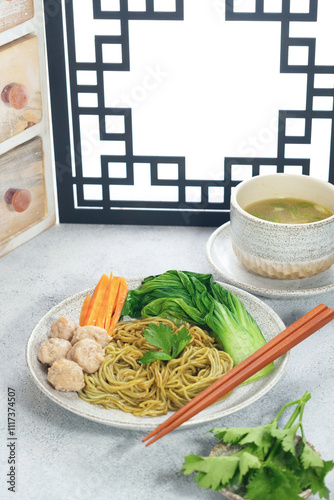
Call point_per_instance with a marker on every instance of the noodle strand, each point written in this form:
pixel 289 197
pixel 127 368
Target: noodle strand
pixel 153 389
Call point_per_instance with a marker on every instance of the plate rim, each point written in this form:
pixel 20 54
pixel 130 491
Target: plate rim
pixel 277 293
pixel 150 424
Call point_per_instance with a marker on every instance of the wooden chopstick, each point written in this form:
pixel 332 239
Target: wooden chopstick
pixel 279 345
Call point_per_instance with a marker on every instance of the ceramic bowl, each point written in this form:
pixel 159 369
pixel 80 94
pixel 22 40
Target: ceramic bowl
pixel 226 450
pixel 282 251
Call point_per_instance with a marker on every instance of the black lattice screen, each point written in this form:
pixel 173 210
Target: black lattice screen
pixel 95 198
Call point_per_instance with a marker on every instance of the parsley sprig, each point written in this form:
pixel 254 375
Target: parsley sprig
pixel 269 465
pixel 170 343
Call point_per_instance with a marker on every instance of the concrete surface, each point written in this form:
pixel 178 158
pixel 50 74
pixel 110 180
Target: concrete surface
pixel 61 456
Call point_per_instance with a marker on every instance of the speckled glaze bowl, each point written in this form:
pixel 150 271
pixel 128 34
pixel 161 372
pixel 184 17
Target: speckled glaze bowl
pixel 282 251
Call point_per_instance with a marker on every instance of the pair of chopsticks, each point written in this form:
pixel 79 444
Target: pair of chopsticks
pixel 279 345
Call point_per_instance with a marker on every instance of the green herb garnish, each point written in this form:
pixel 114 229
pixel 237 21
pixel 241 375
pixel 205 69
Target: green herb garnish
pixel 269 464
pixel 163 336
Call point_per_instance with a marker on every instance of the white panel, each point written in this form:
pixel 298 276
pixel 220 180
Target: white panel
pixel 204 96
pixel 86 28
pixel 136 5
pixel 295 126
pixel 318 151
pixel 168 171
pixel 197 92
pixel 164 5
pixel 92 148
pixel 86 77
pixel 321 30
pixel 142 189
pixel 272 6
pixel 300 6
pixel 110 5
pixel 244 5
pixel 92 192
pixel 324 81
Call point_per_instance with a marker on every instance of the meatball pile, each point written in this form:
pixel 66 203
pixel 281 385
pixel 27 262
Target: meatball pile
pixel 70 351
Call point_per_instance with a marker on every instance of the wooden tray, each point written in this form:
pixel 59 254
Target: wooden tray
pixel 15 12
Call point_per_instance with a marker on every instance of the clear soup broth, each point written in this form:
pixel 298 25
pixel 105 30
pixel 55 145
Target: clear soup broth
pixel 288 211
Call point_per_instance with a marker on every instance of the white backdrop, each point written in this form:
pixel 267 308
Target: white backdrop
pixel 203 88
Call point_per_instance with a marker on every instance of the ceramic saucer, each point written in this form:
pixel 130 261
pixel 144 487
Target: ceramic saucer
pixel 220 255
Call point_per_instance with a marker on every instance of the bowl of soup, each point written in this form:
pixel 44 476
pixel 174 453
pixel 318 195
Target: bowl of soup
pixel 282 225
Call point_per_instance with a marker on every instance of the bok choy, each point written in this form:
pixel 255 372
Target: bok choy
pixel 187 296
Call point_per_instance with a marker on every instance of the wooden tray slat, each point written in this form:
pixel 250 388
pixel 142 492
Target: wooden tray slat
pixel 15 12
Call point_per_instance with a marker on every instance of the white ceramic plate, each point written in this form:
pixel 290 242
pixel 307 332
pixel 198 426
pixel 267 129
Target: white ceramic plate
pixel 268 320
pixel 220 254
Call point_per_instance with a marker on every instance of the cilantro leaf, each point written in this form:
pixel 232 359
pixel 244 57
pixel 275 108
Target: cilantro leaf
pixel 274 483
pixel 151 356
pixel 160 336
pixel 267 462
pixel 286 438
pixel 163 337
pixel 247 462
pixel 261 436
pixel 285 460
pixel 314 478
pixel 179 341
pixel 230 435
pixel 213 472
pixel 310 458
pixel 217 472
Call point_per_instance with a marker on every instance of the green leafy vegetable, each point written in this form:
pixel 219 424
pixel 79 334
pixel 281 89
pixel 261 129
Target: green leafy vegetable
pixel 163 336
pixel 269 464
pixel 197 298
pixel 274 483
pixel 210 470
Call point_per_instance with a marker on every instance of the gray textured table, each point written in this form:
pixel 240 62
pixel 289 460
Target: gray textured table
pixel 61 456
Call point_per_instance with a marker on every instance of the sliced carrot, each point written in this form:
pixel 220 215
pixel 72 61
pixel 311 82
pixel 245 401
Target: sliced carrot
pixel 122 294
pixel 116 281
pixel 96 301
pixel 101 315
pixel 84 310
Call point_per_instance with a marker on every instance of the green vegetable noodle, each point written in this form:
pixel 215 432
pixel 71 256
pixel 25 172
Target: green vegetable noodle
pixel 269 465
pixel 196 298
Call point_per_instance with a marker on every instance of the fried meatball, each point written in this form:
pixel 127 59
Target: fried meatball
pixel 63 329
pixel 88 354
pixel 66 375
pixel 53 349
pixel 100 335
